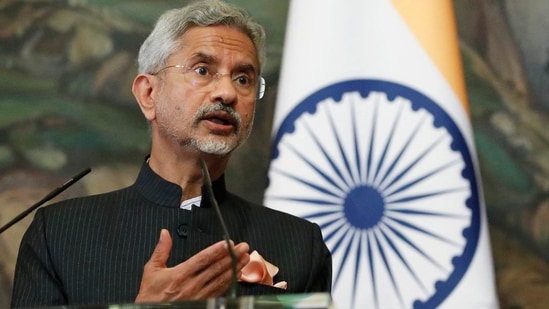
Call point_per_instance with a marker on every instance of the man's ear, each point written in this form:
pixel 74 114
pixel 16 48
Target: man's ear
pixel 145 88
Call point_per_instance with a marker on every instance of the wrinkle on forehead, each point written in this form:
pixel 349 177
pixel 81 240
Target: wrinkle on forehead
pixel 219 41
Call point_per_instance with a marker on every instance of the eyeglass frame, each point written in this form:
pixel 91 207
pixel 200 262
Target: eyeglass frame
pixel 260 87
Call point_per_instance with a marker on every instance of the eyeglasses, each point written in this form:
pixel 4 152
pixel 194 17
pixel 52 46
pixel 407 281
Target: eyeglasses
pixel 201 76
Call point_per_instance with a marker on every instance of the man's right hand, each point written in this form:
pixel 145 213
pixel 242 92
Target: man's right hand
pixel 206 274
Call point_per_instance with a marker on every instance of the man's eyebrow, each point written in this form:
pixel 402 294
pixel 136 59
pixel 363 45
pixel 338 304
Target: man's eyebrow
pixel 203 57
pixel 246 67
pixel 200 56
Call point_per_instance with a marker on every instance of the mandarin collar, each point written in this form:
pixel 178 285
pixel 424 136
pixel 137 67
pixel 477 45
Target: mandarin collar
pixel 160 191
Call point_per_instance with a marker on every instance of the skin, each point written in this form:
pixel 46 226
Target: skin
pixel 181 135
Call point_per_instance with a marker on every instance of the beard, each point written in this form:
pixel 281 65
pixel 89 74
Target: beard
pixel 211 144
pixel 223 146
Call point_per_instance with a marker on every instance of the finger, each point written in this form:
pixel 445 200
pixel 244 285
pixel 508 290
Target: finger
pixel 241 248
pixel 243 257
pixel 212 269
pixel 217 285
pixel 209 256
pixel 152 287
pixel 219 254
pixel 217 278
pixel 162 250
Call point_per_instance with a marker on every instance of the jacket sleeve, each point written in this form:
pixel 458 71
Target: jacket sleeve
pixel 321 271
pixel 35 281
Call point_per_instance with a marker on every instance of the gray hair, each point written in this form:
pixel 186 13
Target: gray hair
pixel 163 41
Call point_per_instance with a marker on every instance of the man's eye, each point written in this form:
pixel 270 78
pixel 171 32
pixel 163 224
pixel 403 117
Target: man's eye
pixel 201 71
pixel 242 80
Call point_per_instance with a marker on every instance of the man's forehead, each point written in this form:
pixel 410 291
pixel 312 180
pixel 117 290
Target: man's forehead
pixel 215 42
pixel 219 34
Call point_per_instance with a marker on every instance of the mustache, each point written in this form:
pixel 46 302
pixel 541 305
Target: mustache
pixel 218 106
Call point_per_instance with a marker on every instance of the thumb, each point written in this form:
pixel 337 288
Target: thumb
pixel 162 250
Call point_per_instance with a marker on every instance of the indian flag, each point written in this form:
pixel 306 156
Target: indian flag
pixel 372 141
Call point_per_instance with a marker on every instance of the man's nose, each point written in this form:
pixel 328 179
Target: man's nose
pixel 224 89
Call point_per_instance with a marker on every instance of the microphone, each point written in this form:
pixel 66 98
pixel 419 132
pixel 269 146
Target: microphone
pixel 46 198
pixel 209 194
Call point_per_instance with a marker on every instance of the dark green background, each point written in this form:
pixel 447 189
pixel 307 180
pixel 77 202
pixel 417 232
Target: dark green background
pixel 65 104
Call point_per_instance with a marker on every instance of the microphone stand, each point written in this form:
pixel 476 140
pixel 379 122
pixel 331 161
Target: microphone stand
pixel 207 183
pixel 46 198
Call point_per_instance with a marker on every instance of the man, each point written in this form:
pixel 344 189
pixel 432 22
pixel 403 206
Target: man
pixel 159 240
